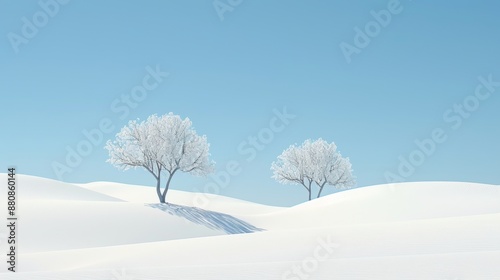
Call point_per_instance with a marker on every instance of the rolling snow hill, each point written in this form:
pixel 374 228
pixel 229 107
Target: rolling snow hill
pixel 102 230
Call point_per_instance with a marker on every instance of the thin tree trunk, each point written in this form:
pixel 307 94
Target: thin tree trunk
pixel 321 189
pixel 158 190
pixel 167 185
pixel 310 190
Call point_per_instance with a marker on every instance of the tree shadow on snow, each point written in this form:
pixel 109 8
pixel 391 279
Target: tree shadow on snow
pixel 210 219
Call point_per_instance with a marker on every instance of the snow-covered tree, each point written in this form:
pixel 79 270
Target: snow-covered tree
pixel 314 162
pixel 162 145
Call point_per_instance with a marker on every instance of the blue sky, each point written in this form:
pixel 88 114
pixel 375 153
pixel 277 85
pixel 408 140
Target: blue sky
pixel 230 70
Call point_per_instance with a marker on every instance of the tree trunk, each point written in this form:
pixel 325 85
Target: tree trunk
pixel 321 189
pixel 167 185
pixel 310 189
pixel 158 190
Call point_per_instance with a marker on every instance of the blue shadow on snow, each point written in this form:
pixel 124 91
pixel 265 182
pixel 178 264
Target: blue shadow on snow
pixel 210 219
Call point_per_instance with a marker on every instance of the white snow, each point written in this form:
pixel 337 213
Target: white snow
pixel 426 230
pixel 141 194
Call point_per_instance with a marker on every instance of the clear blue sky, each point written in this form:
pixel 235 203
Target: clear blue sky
pixel 229 75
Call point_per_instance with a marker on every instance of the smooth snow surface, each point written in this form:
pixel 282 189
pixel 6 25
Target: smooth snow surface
pixel 427 230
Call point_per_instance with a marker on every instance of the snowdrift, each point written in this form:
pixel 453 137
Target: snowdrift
pixel 427 230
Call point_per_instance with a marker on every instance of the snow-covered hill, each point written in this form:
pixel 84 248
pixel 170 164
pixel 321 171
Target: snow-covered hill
pixel 429 230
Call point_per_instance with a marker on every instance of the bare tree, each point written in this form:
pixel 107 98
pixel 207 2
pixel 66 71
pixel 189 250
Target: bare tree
pixel 316 162
pixel 162 145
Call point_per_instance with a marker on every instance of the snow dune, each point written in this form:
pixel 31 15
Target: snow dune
pixel 36 188
pixel 141 194
pixel 390 203
pixel 428 230
pixel 59 216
